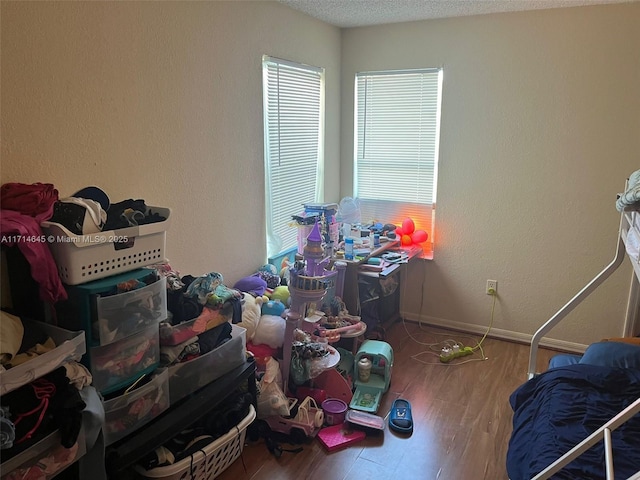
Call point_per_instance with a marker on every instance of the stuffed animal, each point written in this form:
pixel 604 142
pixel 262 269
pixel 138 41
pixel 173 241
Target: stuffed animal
pixel 280 293
pixel 273 307
pixel 270 331
pixel 251 313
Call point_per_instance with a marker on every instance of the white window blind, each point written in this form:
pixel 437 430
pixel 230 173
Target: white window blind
pixel 397 118
pixel 293 138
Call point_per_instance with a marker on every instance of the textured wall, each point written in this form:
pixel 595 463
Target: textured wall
pixel 540 128
pixel 161 101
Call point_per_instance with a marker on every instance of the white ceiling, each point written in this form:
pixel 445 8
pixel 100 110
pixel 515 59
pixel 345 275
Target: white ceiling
pixel 357 13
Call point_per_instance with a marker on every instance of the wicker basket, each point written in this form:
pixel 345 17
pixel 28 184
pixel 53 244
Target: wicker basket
pixel 209 462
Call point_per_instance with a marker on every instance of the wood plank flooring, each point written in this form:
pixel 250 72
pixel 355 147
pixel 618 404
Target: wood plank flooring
pixel 462 418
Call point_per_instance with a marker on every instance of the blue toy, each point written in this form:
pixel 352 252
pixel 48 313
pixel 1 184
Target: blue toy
pixel 273 307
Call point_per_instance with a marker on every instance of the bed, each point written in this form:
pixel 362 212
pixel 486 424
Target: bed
pixel 580 419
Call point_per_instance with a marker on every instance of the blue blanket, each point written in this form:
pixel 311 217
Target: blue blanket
pixel 561 407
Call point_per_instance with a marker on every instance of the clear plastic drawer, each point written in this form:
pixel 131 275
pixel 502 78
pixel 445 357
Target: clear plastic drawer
pixel 45 459
pixel 119 363
pixel 187 377
pixel 119 316
pixel 69 346
pixel 128 412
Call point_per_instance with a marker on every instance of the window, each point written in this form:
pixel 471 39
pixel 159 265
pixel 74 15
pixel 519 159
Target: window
pixel 397 123
pixel 293 97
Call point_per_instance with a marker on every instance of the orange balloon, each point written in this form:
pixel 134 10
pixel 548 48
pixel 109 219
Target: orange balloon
pixel 406 240
pixel 408 226
pixel 419 236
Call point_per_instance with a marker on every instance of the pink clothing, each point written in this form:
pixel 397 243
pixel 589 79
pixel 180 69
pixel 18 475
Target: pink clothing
pixel 35 200
pixel 37 253
pixel 24 207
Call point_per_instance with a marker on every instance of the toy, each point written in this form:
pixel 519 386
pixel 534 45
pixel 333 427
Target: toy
pixel 305 424
pixel 251 312
pixel 270 331
pixel 273 307
pixel 281 293
pixel 252 284
pixel 368 393
pixel 409 235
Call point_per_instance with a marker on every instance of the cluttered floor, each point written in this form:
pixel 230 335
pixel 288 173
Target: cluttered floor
pixel 460 411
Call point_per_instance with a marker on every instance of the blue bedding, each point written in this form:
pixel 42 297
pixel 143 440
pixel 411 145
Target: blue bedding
pixel 561 407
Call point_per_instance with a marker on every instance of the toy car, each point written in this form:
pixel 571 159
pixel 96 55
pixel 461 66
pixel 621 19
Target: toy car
pixel 305 424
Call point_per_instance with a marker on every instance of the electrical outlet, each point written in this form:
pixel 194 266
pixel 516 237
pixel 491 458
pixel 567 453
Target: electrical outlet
pixel 492 287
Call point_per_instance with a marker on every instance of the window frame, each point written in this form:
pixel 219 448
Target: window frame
pixel 382 120
pixel 280 230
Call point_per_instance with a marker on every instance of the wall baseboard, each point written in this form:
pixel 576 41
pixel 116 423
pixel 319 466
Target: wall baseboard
pixel 498 333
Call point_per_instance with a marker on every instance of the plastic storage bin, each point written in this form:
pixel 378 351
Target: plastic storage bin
pixel 80 311
pixel 128 412
pixel 176 334
pixel 210 461
pixel 45 459
pixel 118 364
pixel 69 346
pixel 82 258
pixel 187 377
pixel 123 314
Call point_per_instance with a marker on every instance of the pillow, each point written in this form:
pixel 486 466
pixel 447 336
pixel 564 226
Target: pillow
pixel 563 360
pixel 612 354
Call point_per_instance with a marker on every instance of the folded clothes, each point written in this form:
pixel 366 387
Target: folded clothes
pixel 169 353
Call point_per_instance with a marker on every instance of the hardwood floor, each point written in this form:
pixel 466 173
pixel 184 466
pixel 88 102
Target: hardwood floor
pixel 461 414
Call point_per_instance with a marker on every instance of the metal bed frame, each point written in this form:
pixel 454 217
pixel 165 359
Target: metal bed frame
pixel 604 432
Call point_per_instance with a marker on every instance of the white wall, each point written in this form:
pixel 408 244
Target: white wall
pixel 163 101
pixel 540 129
pixel 160 101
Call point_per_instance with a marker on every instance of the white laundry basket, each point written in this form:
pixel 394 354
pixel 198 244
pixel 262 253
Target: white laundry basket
pixel 82 258
pixel 211 461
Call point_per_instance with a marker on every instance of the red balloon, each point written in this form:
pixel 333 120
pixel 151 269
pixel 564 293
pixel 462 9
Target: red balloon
pixel 419 236
pixel 406 240
pixel 408 226
pixel 399 232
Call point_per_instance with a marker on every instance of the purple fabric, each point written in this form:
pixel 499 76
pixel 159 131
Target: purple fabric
pixel 253 284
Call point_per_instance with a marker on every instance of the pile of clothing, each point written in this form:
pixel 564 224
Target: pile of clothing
pixel 200 310
pixel 51 402
pixel 88 211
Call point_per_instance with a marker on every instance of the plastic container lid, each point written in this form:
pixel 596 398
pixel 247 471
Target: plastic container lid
pixel 334 406
pixel 364 419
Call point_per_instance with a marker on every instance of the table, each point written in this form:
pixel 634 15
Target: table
pixel 350 294
pixel 355 268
